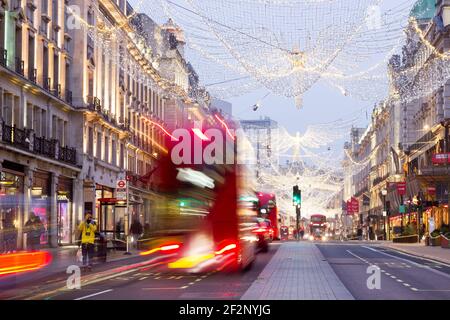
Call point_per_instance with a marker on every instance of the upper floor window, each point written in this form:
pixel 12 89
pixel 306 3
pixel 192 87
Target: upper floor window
pixel 44 7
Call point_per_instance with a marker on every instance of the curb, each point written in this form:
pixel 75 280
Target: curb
pixel 437 259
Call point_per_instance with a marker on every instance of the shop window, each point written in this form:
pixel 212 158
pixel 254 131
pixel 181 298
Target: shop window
pixel 40 202
pixel 64 210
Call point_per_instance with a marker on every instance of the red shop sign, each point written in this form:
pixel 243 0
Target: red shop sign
pixel 401 188
pixel 431 191
pixel 349 207
pixel 441 158
pixel 355 205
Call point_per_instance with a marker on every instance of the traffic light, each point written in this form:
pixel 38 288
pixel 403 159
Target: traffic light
pixel 297 196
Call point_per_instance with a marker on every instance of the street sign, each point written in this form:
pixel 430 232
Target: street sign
pixel 431 191
pixel 401 188
pixel 121 190
pixel 355 205
pixel 441 158
pixel 349 207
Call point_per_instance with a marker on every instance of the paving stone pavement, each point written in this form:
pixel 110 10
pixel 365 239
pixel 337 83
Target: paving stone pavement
pixel 298 271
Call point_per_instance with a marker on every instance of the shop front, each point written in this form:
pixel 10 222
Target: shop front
pixel 105 211
pixel 11 207
pixel 40 202
pixel 436 217
pixel 64 211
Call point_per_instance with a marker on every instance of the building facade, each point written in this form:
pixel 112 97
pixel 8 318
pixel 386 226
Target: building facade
pixel 86 99
pixel 409 135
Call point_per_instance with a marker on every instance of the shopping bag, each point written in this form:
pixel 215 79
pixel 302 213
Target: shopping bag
pixel 79 255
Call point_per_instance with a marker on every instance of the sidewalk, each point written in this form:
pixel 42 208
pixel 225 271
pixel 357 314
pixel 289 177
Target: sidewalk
pixel 434 253
pixel 298 271
pixel 61 259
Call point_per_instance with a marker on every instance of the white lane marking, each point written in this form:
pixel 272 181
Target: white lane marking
pixel 407 285
pixel 411 262
pixel 388 274
pixel 414 289
pixel 143 278
pixel 417 257
pixel 398 280
pixel 161 288
pixel 356 256
pixel 94 294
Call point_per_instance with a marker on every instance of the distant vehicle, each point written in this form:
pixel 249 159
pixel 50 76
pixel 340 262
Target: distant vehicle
pixel 284 233
pixel 268 209
pixel 264 232
pixel 318 227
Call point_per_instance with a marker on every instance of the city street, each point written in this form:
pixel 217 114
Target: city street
pixel 244 150
pixel 403 277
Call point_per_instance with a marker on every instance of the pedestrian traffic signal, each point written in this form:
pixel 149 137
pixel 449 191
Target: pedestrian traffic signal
pixel 297 196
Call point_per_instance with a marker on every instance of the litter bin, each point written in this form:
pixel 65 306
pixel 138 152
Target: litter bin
pixel 100 248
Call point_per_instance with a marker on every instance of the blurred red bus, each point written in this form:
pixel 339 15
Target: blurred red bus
pixel 318 227
pixel 207 211
pixel 268 209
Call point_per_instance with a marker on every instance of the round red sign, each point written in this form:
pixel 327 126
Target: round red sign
pixel 121 184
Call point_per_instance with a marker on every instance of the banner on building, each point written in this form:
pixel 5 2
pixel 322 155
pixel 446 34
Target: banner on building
pixel 354 203
pixel 441 158
pixel 401 188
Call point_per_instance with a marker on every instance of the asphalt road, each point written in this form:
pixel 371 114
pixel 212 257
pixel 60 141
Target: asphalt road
pixel 153 282
pixel 403 277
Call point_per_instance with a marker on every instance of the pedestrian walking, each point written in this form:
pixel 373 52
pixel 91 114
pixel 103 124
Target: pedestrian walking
pixel 87 229
pixel 34 229
pixel 302 233
pixel 136 231
pixel 9 236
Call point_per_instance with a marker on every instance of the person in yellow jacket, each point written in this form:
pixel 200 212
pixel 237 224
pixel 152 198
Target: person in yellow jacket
pixel 87 229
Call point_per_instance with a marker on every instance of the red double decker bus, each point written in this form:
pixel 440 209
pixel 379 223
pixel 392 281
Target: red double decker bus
pixel 207 212
pixel 268 209
pixel 318 227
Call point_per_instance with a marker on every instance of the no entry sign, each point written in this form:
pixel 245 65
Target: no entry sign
pixel 121 190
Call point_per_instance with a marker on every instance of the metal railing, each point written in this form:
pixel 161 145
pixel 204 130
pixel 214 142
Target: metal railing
pixel 45 146
pixel 32 75
pixel 68 97
pixel 20 66
pixel 17 137
pixel 56 90
pixel 68 155
pixel 3 57
pixel 47 83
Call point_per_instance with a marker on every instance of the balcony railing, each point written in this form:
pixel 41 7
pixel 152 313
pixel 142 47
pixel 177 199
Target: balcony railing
pixel 45 146
pixel 56 90
pixel 68 155
pixel 32 75
pixel 47 84
pixel 3 57
pixel 17 137
pixel 379 180
pixel 51 148
pixel 94 104
pixel 20 66
pixel 68 97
